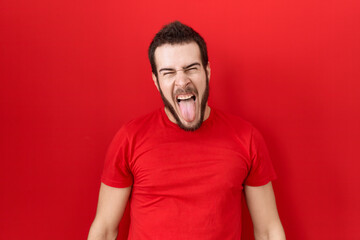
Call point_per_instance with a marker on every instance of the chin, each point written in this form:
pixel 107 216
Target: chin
pixel 190 126
pixel 187 126
pixel 200 110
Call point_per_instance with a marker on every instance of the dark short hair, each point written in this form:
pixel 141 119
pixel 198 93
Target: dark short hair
pixel 176 33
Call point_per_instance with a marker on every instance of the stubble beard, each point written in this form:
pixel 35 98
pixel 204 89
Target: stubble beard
pixel 202 108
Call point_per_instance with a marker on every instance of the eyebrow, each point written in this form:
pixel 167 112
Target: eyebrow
pixel 187 67
pixel 191 65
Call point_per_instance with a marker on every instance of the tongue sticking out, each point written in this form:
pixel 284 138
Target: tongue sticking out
pixel 187 109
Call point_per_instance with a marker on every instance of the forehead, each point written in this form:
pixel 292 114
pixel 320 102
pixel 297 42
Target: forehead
pixel 177 55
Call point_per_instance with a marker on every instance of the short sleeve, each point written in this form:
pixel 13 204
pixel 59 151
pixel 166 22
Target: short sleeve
pixel 261 170
pixel 116 172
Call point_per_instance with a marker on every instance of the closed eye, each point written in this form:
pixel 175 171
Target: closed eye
pixel 192 70
pixel 168 73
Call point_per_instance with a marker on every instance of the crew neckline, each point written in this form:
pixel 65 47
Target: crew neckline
pixel 168 122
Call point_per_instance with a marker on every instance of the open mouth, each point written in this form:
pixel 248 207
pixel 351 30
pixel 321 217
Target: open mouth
pixel 187 106
pixel 186 97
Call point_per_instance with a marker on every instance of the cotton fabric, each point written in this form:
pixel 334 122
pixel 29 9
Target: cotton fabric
pixel 187 184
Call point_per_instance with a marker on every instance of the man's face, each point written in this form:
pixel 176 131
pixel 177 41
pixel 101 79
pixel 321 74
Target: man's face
pixel 183 83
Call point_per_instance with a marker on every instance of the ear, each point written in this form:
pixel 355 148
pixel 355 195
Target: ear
pixel 155 81
pixel 208 70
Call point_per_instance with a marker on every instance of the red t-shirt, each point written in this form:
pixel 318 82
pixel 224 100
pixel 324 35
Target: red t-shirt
pixel 187 185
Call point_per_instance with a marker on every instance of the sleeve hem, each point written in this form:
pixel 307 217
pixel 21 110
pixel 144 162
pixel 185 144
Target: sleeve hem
pixel 116 184
pixel 261 182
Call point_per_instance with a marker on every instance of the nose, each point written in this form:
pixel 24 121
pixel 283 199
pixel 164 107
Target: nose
pixel 182 79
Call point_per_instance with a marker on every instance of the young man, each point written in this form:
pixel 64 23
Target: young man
pixel 186 164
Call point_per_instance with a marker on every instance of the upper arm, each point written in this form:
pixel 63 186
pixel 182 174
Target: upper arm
pixel 263 211
pixel 111 206
pixel 112 203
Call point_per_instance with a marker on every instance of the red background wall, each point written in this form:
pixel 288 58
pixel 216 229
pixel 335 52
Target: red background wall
pixel 72 72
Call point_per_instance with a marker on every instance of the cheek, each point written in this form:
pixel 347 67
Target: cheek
pixel 167 90
pixel 200 86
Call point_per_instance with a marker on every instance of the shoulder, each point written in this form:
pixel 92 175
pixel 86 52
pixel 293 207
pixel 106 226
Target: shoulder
pixel 236 123
pixel 140 124
pixel 235 126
